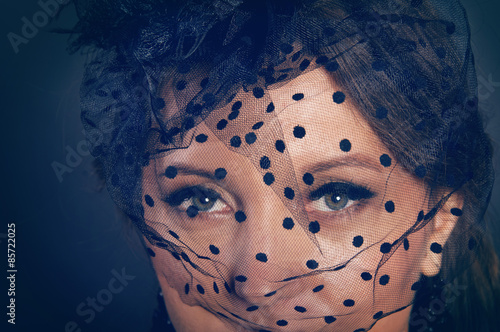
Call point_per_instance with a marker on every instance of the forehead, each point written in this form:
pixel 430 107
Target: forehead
pixel 332 124
pixel 312 114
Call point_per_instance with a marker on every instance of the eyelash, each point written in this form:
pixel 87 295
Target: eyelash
pixel 184 198
pixel 342 191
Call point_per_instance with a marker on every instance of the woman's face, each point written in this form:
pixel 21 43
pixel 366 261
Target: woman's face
pixel 314 256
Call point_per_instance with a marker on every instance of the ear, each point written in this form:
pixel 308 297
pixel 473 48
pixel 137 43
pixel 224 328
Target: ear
pixel 439 229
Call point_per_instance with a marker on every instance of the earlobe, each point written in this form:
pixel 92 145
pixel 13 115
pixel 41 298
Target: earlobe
pixel 439 230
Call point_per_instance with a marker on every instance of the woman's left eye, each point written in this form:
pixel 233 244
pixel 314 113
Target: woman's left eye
pixel 337 196
pixel 203 199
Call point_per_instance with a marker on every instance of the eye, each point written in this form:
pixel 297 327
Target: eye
pixel 336 201
pixel 203 199
pixel 336 196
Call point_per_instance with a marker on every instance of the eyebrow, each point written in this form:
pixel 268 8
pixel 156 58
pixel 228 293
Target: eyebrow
pixel 188 170
pixel 352 160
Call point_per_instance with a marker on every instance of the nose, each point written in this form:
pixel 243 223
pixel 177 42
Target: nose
pixel 273 248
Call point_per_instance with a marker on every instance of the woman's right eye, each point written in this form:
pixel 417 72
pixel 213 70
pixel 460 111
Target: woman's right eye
pixel 203 199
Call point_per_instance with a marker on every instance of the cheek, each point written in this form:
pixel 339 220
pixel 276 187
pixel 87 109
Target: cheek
pixel 167 260
pixel 376 283
pixel 171 269
pixel 395 279
pixel 390 263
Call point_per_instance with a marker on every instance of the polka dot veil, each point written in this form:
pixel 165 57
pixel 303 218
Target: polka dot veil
pixel 292 168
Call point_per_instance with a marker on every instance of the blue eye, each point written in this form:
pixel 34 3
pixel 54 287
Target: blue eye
pixel 336 196
pixel 204 199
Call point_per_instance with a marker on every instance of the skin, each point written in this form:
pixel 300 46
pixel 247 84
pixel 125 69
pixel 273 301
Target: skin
pixel 326 124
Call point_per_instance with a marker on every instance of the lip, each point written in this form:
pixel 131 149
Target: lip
pixel 296 293
pixel 266 317
pixel 316 304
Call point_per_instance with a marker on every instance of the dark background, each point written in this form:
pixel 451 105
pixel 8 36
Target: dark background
pixel 69 236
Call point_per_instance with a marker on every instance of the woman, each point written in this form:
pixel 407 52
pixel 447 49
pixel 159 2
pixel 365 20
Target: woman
pixel 297 166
